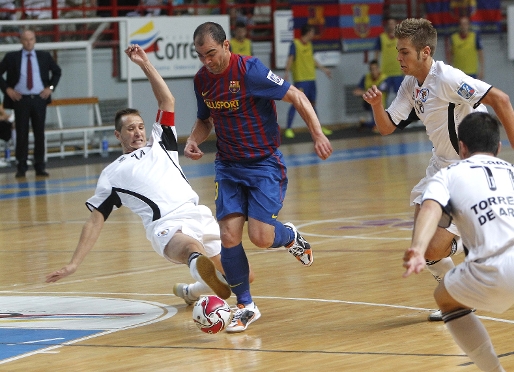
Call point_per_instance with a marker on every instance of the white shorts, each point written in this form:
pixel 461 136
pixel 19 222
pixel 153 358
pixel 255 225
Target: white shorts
pixel 193 220
pixel 486 285
pixel 416 194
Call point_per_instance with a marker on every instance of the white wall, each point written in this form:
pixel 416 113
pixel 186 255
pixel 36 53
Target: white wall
pixel 331 101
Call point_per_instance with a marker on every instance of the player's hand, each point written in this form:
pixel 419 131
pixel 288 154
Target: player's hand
pixel 136 54
pixel 192 151
pixel 373 96
pixel 62 273
pixel 322 147
pixel 413 261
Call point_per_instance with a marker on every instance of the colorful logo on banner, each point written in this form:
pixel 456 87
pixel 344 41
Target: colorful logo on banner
pixel 145 37
pixel 324 16
pixel 361 24
pixel 361 20
pixel 346 25
pixel 485 15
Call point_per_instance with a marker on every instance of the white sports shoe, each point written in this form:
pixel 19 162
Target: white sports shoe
pixel 182 290
pixel 299 247
pixel 243 316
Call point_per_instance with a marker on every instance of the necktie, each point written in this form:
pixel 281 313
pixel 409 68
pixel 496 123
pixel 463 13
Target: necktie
pixel 29 72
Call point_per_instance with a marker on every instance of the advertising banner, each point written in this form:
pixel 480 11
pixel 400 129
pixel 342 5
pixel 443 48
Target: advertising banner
pixel 168 41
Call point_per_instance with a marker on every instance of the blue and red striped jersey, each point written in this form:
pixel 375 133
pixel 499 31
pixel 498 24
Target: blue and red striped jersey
pixel 241 103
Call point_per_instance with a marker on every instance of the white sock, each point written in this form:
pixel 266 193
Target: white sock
pixel 197 289
pixel 471 336
pixel 194 271
pixel 440 268
pixel 460 247
pixel 200 287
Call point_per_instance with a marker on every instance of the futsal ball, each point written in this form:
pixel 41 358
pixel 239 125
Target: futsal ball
pixel 211 314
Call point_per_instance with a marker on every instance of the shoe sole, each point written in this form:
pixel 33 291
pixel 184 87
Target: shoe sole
pixel 311 258
pixel 207 272
pixel 255 317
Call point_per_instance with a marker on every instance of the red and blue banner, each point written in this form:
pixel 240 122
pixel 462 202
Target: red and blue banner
pixel 360 23
pixel 324 16
pixel 485 15
pixel 346 25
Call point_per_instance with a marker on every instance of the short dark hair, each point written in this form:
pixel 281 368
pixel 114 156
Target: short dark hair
pixel 420 31
pixel 120 114
pixel 480 132
pixel 209 28
pixel 240 24
pixel 306 28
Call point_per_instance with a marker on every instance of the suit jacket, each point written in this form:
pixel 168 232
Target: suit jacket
pixel 49 70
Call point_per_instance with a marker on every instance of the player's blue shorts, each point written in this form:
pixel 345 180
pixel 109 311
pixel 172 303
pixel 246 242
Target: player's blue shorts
pixel 253 189
pixel 309 88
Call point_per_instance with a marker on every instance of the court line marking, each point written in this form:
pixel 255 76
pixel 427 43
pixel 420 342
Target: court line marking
pixel 166 314
pixel 362 303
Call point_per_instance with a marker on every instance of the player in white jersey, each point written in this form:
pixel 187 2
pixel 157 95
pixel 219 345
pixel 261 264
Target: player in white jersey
pixel 148 180
pixel 440 96
pixel 478 193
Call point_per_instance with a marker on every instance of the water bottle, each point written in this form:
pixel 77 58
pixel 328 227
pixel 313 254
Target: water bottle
pixel 105 147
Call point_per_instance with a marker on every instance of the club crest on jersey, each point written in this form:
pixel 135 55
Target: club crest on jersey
pixel 275 78
pixel 466 91
pixel 234 86
pixel 422 94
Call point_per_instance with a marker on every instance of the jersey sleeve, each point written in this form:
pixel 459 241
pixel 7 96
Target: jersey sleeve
pixel 378 44
pixel 292 49
pixel 460 88
pixel 438 190
pixel 105 198
pixel 400 110
pixel 361 83
pixel 263 82
pixel 164 129
pixel 478 41
pixel 202 112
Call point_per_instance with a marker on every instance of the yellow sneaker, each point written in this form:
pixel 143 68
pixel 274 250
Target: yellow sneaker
pixel 326 131
pixel 288 133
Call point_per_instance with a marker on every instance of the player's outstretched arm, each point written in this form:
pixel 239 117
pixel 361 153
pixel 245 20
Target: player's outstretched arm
pixel 304 107
pixel 500 102
pixel 88 238
pixel 165 99
pixel 424 229
pixel 374 97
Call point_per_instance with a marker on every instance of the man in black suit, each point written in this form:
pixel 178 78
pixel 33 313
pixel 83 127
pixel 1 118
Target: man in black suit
pixel 32 76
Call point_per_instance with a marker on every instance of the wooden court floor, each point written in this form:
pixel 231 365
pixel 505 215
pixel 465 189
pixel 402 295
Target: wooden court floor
pixel 350 311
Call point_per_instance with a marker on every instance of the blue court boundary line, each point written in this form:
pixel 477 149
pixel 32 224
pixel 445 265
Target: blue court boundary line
pixel 27 189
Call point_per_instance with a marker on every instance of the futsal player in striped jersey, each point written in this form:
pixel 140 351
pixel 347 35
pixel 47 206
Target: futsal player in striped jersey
pixel 235 96
pixel 147 179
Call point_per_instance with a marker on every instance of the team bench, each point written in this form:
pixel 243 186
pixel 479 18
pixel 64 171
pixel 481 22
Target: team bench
pixel 86 140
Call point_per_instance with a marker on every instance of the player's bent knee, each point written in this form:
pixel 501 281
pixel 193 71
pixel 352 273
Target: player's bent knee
pixel 261 241
pixel 436 253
